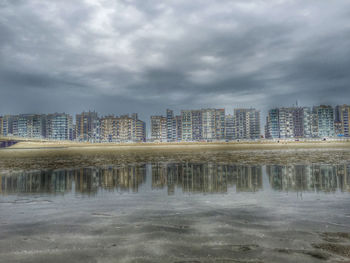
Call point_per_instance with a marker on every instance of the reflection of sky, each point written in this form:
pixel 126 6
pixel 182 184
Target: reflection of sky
pixel 181 179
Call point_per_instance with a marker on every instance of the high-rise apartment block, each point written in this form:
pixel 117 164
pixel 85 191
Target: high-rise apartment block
pixel 186 120
pixel 122 129
pixel 302 122
pixel 247 123
pixel 59 126
pixel 292 122
pixel 341 121
pixel 159 129
pixel 229 127
pixel 87 126
pixel 325 120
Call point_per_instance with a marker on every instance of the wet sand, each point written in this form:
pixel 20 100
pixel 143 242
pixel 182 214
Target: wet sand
pixel 151 226
pixel 28 155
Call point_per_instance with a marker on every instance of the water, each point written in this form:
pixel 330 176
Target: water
pixel 128 208
pixel 181 179
pixel 4 144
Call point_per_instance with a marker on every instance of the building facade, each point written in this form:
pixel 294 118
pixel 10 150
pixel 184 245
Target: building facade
pixel 186 121
pixel 59 126
pixel 87 126
pixel 159 129
pixel 229 127
pixel 325 120
pixel 341 121
pixel 247 123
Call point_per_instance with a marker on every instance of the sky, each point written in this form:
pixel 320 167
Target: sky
pixel 126 56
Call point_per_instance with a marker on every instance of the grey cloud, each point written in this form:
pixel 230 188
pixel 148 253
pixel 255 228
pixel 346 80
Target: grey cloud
pixel 144 56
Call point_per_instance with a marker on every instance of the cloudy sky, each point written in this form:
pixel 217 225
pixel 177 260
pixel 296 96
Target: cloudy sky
pixel 126 56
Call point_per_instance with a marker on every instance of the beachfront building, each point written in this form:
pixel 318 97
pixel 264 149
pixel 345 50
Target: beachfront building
pixel 186 121
pixel 208 124
pixel 247 123
pixel 291 122
pixel 159 129
pixel 124 128
pixel 140 132
pixel 324 115
pixel 108 131
pixel 286 123
pixel 171 126
pixel 23 125
pixel 59 126
pixel 213 124
pixel 8 124
pixel 307 122
pixel 30 126
pixel 219 124
pixel 229 127
pixel 272 128
pixel 87 126
pixel 2 125
pixel 178 127
pixel 196 117
pixel 341 121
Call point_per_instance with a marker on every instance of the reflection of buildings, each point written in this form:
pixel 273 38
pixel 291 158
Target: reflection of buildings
pixel 206 178
pixel 189 177
pixel 85 180
pixel 325 178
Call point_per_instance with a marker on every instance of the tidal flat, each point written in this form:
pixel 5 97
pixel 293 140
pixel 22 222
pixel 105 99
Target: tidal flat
pixel 175 204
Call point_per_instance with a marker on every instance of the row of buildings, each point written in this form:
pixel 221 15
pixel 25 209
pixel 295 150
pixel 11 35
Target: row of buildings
pixel 206 125
pixel 88 126
pixel 304 122
pixel 191 125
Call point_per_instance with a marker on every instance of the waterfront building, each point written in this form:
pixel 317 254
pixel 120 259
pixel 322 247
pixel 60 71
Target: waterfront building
pixel 8 124
pixel 341 121
pixel 286 122
pixel 30 126
pixel 87 126
pixel 298 122
pixel 314 123
pixel 213 124
pixel 247 123
pixel 108 132
pixel 292 122
pixel 159 129
pixel 59 126
pixel 171 126
pixel 140 131
pixel 307 122
pixel 208 124
pixel 219 124
pixel 186 120
pixel 196 125
pixel 2 123
pixel 272 128
pixel 229 127
pixel 122 129
pixel 325 120
pixel 178 126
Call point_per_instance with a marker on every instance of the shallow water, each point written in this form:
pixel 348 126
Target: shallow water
pixel 212 210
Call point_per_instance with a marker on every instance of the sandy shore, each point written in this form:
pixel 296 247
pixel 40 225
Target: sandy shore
pixel 193 145
pixel 34 155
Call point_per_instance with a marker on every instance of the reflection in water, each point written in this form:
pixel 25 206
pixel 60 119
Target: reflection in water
pixel 325 178
pixel 206 178
pixel 189 177
pixel 4 144
pixel 84 180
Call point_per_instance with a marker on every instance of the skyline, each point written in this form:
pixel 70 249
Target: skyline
pixel 125 56
pixel 210 124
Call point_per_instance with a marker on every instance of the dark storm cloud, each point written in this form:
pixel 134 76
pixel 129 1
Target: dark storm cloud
pixel 144 56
